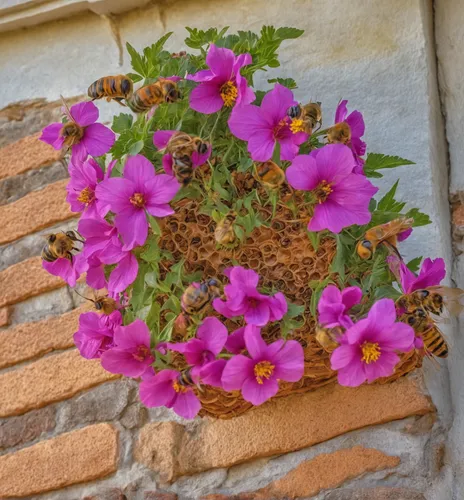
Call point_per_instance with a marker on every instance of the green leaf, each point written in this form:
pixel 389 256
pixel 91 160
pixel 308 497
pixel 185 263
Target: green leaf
pixel 137 61
pixel 314 238
pixel 386 291
pixel 134 77
pixel 136 148
pixel 154 225
pixel 286 82
pixel 172 304
pixel 420 219
pixel 388 202
pixel 289 33
pixel 376 161
pixel 338 264
pixel 122 122
pixel 414 264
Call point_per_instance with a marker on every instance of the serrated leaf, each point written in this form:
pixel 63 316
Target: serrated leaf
pixel 386 291
pixel 286 82
pixel 288 33
pixel 137 61
pixel 388 202
pixel 122 122
pixel 414 264
pixel 420 219
pixel 377 161
pixel 134 77
pixel 338 264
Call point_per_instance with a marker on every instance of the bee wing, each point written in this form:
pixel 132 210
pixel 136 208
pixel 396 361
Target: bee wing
pixel 453 297
pixel 392 228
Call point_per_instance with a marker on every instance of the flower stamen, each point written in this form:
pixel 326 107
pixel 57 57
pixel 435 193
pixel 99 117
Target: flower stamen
pixel 322 191
pixel 371 352
pixel 263 369
pixel 142 353
pixel 229 93
pixel 87 195
pixel 178 388
pixel 138 200
pixel 297 125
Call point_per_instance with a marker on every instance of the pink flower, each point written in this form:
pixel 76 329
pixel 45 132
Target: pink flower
pixel 95 334
pixel 132 355
pixel 431 274
pixel 66 269
pixel 137 192
pixel 367 350
pixel 236 341
pixel 221 84
pixel 209 342
pixel 161 139
pixel 333 306
pixel 81 132
pixel 244 299
pixel 352 129
pixel 341 197
pixel 101 238
pixel 84 177
pixel 257 376
pixel 263 126
pixel 164 389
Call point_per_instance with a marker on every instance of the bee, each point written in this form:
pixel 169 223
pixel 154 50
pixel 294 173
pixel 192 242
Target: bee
pixel 308 115
pixel 198 296
pixel 163 90
pixel 269 174
pixel 182 147
pixel 60 245
pixel 434 300
pixel 71 132
pixel 326 337
pixel 386 234
pixel 103 304
pixel 187 379
pixel 112 87
pixel 224 233
pixel 432 336
pixel 340 133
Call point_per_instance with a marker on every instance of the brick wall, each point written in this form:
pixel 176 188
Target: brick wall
pixel 70 430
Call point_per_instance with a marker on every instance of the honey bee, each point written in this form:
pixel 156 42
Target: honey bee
pixel 433 338
pixel 181 147
pixel 71 132
pixel 327 338
pixel 224 233
pixel 340 133
pixel 309 116
pixel 187 379
pixel 163 90
pixel 103 304
pixel 434 300
pixel 198 296
pixel 386 234
pixel 112 87
pixel 269 174
pixel 60 245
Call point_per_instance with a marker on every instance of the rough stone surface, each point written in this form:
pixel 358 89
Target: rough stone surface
pixel 76 457
pixel 30 245
pixel 29 340
pixel 327 471
pixel 20 430
pixel 159 495
pixel 103 403
pixel 135 416
pixel 26 154
pixel 5 316
pixel 50 379
pixel 42 306
pixel 108 494
pixel 376 494
pixel 26 279
pixel 13 188
pixel 35 211
pixel 172 451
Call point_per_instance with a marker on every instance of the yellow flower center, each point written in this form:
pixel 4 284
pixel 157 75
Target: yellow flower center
pixel 371 352
pixel 138 200
pixel 229 93
pixel 263 369
pixel 297 125
pixel 86 196
pixel 178 388
pixel 322 191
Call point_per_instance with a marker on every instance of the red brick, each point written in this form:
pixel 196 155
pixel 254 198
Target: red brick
pixel 35 211
pixel 26 154
pixel 5 313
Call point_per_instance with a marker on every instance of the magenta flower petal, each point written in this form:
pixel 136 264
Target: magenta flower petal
pixel 162 137
pixel 236 341
pixel 302 173
pixel 248 278
pixel 133 228
pixel 206 98
pixel 98 139
pixel 341 111
pixel 84 113
pixel 356 122
pixel 187 404
pixel 158 390
pixel 139 170
pixel 211 373
pixel 167 164
pixel 236 371
pixel 124 273
pixel 120 361
pixel 200 159
pixel 115 192
pixel 334 161
pixel 254 342
pixel 213 333
pixel 221 61
pixel 381 316
pixel 399 337
pixel 257 394
pixel 431 274
pixel 248 120
pixel 52 135
pixel 289 362
pixel 162 189
pixel 275 103
pixel 258 315
pixel 132 335
pixel 384 367
pixel 404 235
pixel 351 296
pixel 278 307
pixel 261 145
pixel 354 376
pixel 343 356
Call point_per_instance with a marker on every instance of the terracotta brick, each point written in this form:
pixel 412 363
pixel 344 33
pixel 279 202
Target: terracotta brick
pixel 327 471
pixel 26 154
pixel 26 279
pixel 277 427
pixel 76 457
pixel 5 313
pixel 30 340
pixel 50 379
pixel 35 211
pixel 20 430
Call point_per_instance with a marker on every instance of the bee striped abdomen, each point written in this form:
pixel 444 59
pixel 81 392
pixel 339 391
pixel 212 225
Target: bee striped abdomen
pixel 435 343
pixel 111 87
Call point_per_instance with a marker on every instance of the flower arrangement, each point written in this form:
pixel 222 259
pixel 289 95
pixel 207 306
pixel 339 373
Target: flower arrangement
pixel 239 242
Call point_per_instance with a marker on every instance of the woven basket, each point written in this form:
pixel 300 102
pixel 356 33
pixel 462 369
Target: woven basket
pixel 283 256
